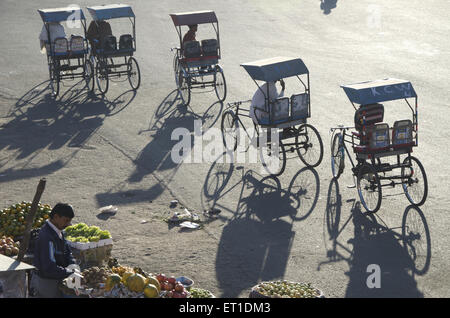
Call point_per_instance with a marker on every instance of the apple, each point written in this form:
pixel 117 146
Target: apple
pixel 166 286
pixel 179 288
pixel 171 286
pixel 172 280
pixel 161 278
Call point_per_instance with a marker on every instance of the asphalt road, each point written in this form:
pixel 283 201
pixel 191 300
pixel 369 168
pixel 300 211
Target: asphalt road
pixel 96 151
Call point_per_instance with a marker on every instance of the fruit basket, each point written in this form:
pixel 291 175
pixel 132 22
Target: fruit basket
pixel 285 289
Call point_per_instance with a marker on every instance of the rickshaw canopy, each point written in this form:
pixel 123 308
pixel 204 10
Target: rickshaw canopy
pixel 61 14
pixel 190 18
pixel 378 91
pixel 111 11
pixel 273 69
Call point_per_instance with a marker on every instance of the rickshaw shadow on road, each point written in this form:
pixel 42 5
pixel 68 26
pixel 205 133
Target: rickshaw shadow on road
pixel 39 122
pixel 255 244
pixel 399 255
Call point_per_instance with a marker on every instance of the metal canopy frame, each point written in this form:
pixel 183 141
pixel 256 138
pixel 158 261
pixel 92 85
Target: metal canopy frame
pixel 196 17
pixel 384 90
pixel 114 11
pixel 275 69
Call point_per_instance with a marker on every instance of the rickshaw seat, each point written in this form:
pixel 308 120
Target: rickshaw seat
pixel 210 47
pixel 77 45
pixel 60 47
pixel 109 43
pixel 126 42
pixel 402 134
pixel 280 110
pixel 299 106
pixel 192 49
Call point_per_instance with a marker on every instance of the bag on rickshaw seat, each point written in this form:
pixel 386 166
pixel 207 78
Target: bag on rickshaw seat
pixel 109 43
pixel 368 115
pixel 402 132
pixel 61 46
pixel 280 110
pixel 192 49
pixel 210 47
pixel 125 42
pixel 379 135
pixel 76 44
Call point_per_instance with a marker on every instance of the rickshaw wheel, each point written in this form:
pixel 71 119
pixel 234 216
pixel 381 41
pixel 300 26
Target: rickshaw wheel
pixel 413 176
pixel 273 163
pixel 337 156
pixel 183 85
pixel 101 75
pixel 89 75
pixel 309 145
pixel 220 85
pixel 369 188
pixel 230 131
pixel 134 74
pixel 54 80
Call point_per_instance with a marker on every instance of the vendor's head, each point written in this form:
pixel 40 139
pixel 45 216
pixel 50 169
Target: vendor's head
pixel 61 215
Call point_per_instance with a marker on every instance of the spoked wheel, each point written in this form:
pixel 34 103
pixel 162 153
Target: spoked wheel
pixel 54 79
pixel 273 157
pixel 230 130
pixel 134 74
pixel 309 145
pixel 102 76
pixel 337 156
pixel 183 84
pixel 369 188
pixel 414 180
pixel 89 75
pixel 220 85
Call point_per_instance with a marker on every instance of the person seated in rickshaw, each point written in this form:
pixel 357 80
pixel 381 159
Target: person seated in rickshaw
pixel 190 34
pixel 259 101
pixel 56 30
pixel 97 31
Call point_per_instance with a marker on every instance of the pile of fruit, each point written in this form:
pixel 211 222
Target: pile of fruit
pixel 285 289
pixel 12 219
pixel 8 247
pixel 94 276
pixel 84 234
pixel 171 288
pixel 200 293
pixel 131 282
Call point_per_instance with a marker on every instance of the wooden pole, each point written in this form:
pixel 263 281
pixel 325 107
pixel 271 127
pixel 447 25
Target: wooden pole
pixel 30 219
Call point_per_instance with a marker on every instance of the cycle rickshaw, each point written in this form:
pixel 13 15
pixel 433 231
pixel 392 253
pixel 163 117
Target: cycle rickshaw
pixel 114 59
pixel 196 62
pixel 287 116
pixel 67 58
pixel 373 140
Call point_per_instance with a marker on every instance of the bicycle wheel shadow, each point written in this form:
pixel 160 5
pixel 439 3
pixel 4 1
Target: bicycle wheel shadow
pixel 399 255
pixel 255 243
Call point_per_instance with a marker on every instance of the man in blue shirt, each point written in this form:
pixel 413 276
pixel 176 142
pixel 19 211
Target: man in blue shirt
pixel 52 254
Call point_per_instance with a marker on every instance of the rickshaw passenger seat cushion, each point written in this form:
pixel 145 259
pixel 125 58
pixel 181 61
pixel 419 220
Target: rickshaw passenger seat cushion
pixel 368 115
pixel 402 132
pixel 299 106
pixel 126 42
pixel 77 44
pixel 379 136
pixel 280 110
pixel 210 47
pixel 192 49
pixel 61 46
pixel 109 43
